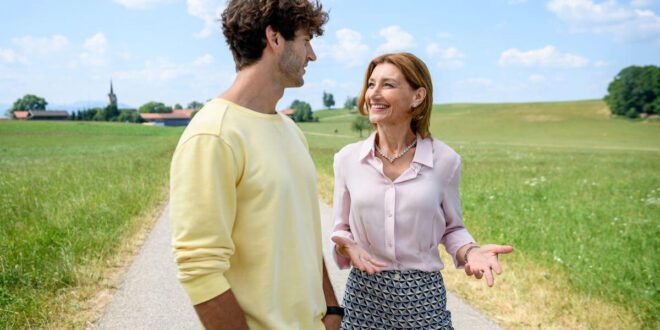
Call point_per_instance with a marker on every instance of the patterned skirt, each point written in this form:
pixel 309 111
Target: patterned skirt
pixel 394 299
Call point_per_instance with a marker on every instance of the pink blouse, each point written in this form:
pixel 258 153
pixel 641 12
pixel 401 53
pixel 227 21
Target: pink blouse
pixel 400 222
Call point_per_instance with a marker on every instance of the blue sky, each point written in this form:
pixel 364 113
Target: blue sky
pixel 172 51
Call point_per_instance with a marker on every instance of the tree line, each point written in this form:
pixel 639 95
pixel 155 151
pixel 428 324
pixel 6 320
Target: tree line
pixel 107 113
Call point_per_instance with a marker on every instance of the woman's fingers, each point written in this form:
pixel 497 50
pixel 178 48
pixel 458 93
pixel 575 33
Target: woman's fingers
pixel 496 267
pixel 468 270
pixel 489 277
pixel 497 249
pixel 377 263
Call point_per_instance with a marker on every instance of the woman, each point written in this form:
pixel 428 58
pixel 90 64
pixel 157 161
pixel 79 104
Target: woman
pixel 395 200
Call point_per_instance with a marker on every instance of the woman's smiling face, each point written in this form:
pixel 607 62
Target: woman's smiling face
pixel 389 97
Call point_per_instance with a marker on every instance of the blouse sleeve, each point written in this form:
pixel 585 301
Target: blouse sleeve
pixel 455 235
pixel 341 205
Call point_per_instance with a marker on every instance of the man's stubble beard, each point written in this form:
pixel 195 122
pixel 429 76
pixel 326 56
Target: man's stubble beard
pixel 290 67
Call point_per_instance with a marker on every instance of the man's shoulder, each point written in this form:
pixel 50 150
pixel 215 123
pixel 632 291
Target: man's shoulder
pixel 209 120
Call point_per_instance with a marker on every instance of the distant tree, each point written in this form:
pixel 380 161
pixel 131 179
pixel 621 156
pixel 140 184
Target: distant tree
pixel 350 103
pixel 328 100
pixel 154 107
pixel 100 115
pixel 91 114
pixel 361 123
pixel 72 115
pixel 193 114
pixel 177 107
pixel 195 105
pixel 27 102
pixel 302 111
pixel 129 116
pixel 634 91
pixel 111 112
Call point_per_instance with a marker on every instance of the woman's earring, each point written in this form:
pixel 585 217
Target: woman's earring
pixel 415 105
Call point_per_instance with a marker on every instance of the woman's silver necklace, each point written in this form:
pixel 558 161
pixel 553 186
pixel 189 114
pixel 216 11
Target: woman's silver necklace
pixel 392 159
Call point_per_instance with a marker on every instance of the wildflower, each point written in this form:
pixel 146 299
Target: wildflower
pixel 557 259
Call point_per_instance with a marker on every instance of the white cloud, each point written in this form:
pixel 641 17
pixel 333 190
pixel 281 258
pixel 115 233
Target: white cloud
pixel 208 11
pixel 96 51
pixel 97 43
pixel 536 78
pixel 162 70
pixel 432 49
pixel 8 56
pixel 451 53
pixel 451 65
pixel 328 83
pixel 142 4
pixel 397 40
pixel 349 50
pixel 444 35
pixel 544 57
pixel 42 46
pixel 450 56
pixel 476 81
pixel 642 3
pixel 623 22
pixel 602 63
pixel 206 59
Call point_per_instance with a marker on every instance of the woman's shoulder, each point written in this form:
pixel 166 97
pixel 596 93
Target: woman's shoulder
pixel 350 150
pixel 442 151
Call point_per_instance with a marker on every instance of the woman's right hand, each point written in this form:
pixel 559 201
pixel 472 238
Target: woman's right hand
pixel 359 257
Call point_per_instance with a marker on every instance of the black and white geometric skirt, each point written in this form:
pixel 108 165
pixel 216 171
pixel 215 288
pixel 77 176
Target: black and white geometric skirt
pixel 392 299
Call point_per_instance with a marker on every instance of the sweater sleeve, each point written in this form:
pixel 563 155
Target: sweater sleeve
pixel 455 235
pixel 203 180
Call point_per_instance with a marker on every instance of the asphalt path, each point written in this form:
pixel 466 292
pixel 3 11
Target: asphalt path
pixel 150 297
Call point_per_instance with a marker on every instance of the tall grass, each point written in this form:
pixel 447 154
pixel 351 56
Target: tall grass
pixel 575 191
pixel 71 192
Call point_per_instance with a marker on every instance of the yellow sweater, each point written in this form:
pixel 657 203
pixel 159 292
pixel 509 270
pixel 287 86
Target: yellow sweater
pixel 244 213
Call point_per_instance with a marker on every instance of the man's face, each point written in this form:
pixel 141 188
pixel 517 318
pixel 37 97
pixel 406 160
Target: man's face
pixel 296 54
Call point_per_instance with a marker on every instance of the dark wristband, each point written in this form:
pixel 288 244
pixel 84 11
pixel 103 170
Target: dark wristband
pixel 334 310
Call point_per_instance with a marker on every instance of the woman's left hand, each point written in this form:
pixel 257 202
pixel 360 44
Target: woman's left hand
pixel 484 259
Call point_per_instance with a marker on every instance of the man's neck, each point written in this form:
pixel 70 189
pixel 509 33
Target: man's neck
pixel 256 88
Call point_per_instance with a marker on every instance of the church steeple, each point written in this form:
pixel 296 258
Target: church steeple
pixel 112 98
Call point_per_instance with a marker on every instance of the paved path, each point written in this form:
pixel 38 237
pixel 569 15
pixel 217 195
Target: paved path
pixel 151 298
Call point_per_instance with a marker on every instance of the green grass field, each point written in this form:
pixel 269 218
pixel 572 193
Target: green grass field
pixel 71 193
pixel 567 185
pixel 575 191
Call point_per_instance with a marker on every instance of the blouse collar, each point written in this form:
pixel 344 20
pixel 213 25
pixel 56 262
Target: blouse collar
pixel 423 152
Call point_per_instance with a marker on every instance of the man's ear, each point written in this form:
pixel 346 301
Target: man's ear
pixel 273 38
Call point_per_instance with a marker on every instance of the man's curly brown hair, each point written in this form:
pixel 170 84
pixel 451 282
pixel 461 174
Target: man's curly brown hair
pixel 244 24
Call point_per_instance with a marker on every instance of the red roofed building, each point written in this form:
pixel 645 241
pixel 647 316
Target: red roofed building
pixel 41 115
pixel 179 117
pixel 288 112
pixel 21 115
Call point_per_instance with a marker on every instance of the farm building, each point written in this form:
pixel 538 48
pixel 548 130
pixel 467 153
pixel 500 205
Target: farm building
pixel 41 115
pixel 176 118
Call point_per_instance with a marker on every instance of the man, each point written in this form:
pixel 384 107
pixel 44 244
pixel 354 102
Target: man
pixel 244 206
